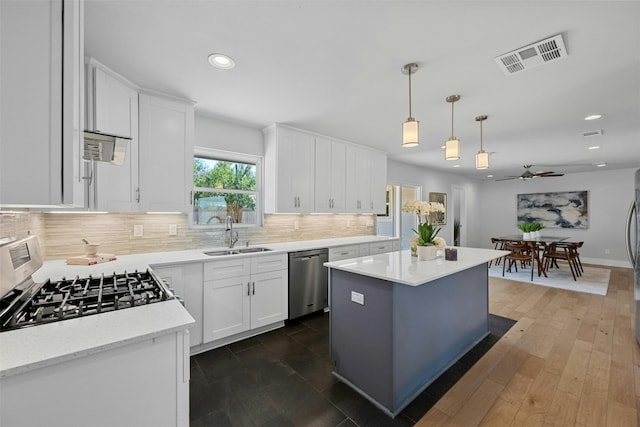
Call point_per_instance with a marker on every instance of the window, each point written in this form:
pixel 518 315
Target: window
pixel 225 185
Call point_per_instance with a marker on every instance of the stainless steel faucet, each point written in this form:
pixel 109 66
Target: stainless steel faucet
pixel 229 227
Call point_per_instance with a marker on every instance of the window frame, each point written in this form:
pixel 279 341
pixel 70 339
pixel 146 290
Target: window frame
pixel 230 156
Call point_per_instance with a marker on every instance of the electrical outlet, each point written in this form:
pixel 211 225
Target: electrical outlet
pixel 173 229
pixel 296 225
pixel 357 297
pixel 138 230
pixel 607 251
pixel 348 223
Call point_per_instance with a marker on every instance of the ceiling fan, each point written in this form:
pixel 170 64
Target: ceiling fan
pixel 527 174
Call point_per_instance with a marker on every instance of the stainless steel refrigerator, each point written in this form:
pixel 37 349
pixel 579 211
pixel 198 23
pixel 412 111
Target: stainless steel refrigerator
pixel 633 232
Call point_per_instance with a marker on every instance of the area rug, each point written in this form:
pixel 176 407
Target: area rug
pixel 593 281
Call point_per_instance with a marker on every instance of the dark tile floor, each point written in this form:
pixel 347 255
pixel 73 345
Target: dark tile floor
pixel 283 378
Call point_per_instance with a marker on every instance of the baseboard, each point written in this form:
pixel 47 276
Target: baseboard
pixel 606 262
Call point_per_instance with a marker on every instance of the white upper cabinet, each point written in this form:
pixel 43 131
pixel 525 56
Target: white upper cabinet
pixel 115 104
pixel 112 108
pixel 289 170
pixel 165 154
pixel 366 178
pixel 41 82
pixel 305 172
pixel 330 176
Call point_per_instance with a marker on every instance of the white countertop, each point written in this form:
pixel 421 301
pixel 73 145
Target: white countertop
pixel 57 269
pixel 29 348
pixel 401 267
pixel 43 345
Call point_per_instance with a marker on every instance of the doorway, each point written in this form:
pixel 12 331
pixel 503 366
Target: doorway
pixel 397 223
pixel 459 216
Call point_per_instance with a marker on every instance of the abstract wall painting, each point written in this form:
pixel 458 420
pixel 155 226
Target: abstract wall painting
pixel 566 209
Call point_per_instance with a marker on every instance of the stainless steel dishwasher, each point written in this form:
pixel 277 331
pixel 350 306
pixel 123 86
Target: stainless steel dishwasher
pixel 308 282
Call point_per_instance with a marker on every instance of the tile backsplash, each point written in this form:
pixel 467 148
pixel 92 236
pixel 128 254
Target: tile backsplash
pixel 60 234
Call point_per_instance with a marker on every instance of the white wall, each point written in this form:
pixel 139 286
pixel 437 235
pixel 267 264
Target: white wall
pixel 219 134
pixel 610 194
pixel 441 182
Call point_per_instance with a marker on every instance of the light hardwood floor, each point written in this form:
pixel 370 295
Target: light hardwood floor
pixel 570 360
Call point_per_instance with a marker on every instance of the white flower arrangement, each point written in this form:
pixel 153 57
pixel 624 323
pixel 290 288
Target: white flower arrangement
pixel 439 242
pixel 423 208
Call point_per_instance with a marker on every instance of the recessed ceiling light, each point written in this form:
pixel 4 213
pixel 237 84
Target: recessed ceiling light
pixel 456 166
pixel 593 147
pixel 601 165
pixel 489 176
pixel 593 117
pixel 443 147
pixel 221 61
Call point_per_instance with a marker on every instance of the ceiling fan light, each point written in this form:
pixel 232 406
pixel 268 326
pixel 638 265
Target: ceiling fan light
pixel 482 160
pixel 410 132
pixel 452 149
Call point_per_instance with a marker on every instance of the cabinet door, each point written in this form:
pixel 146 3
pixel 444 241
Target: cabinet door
pixel 378 181
pixel 186 282
pixel 269 298
pixel 291 188
pixel 115 105
pixel 329 176
pixel 41 87
pixel 226 307
pixel 358 171
pixel 115 111
pixel 165 154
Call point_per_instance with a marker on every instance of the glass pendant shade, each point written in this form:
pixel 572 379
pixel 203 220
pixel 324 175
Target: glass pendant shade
pixel 410 132
pixel 411 127
pixel 482 160
pixel 452 149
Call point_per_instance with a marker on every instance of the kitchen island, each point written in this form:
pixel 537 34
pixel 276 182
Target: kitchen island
pixel 397 323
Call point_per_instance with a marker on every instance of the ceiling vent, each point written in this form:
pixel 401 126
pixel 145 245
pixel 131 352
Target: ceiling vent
pixel 592 133
pixel 531 56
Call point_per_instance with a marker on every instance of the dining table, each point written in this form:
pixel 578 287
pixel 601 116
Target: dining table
pixel 535 245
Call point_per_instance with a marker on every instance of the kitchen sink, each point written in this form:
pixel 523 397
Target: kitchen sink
pixel 236 251
pixel 252 250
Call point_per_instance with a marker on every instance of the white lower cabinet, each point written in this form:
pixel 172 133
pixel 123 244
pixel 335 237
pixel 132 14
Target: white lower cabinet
pixel 338 253
pixel 244 294
pixel 186 282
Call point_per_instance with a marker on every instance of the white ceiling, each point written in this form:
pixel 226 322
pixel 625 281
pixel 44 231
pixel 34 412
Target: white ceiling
pixel 334 67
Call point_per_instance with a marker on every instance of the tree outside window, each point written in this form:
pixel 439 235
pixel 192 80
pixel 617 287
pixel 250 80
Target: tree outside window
pixel 224 188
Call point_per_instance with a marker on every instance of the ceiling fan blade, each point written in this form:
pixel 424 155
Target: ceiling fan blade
pixel 551 174
pixel 508 178
pixel 543 173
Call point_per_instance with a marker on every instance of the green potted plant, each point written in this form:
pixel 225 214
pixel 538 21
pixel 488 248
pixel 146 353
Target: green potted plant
pixel 526 230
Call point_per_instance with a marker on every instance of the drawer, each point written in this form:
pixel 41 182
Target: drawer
pixel 344 252
pixel 232 267
pixel 380 248
pixel 265 263
pixel 363 249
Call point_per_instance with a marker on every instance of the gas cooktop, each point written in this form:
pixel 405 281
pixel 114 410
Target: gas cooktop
pixel 39 303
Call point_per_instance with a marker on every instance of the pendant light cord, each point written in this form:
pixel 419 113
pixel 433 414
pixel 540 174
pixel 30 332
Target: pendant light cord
pixel 410 93
pixel 481 135
pixel 453 102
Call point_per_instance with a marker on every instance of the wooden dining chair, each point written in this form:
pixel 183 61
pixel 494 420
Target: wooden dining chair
pixel 498 244
pixel 564 252
pixel 519 253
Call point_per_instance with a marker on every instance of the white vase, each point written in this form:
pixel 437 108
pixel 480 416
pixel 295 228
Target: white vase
pixel 526 236
pixel 427 253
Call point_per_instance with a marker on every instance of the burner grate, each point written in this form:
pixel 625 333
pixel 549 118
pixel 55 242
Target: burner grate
pixel 77 297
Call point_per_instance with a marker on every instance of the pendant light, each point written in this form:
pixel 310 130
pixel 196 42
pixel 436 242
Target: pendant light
pixel 411 127
pixel 452 146
pixel 482 157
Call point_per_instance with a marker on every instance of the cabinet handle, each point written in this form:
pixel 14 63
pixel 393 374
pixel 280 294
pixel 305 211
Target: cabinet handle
pixel 248 289
pixel 254 288
pixel 138 194
pixel 371 205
